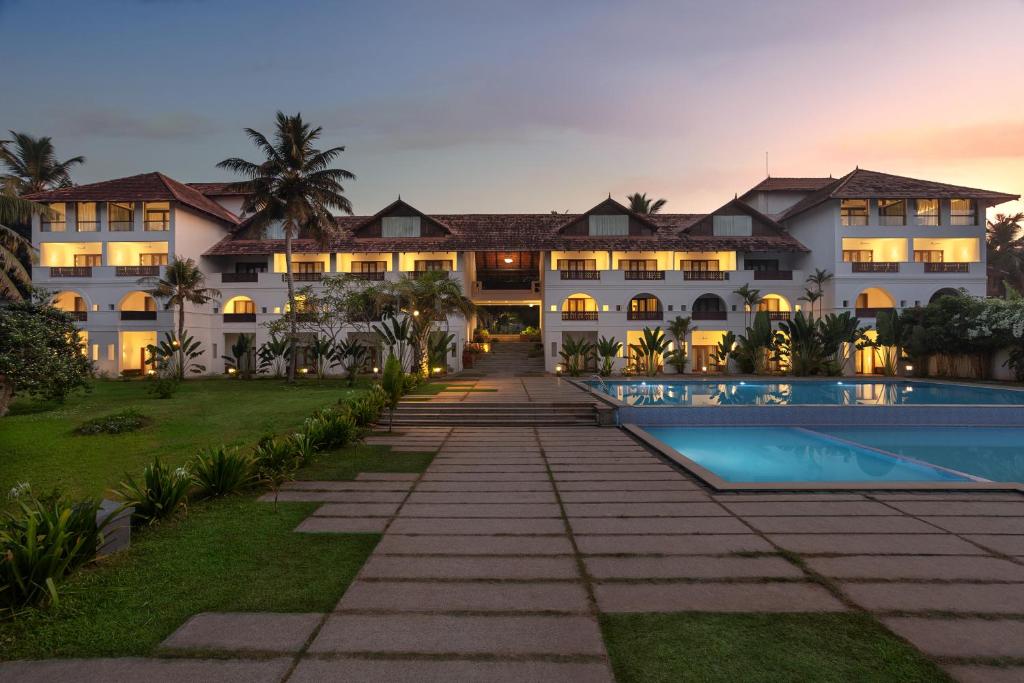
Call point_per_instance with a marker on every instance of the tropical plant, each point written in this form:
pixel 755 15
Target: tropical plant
pixel 15 252
pixel 816 292
pixel 32 164
pixel 183 282
pixel 395 334
pixel 430 298
pixel 366 409
pixel 330 429
pixel 680 328
pixel 724 351
pixel 273 355
pixel 577 353
pixel 440 345
pixel 811 296
pixel 1004 239
pixel 241 355
pixel 176 356
pixel 223 471
pixel 639 203
pixel 162 491
pixel 276 462
pixel 350 354
pixel 750 298
pixel 163 386
pixel 759 347
pixel 293 186
pixel 607 350
pixel 801 345
pixel 892 337
pixel 839 333
pixel 320 351
pixel 651 349
pixel 40 353
pixel 393 383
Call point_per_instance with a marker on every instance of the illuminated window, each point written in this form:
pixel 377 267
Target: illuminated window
pixel 963 212
pixel 853 211
pixel 120 216
pixel 82 260
pixel 926 211
pixel 156 216
pixel 152 259
pixel 56 219
pixel 86 217
pixel 892 212
pixel 858 255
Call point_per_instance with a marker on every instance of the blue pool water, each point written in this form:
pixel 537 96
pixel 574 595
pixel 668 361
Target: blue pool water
pixel 910 454
pixel 806 392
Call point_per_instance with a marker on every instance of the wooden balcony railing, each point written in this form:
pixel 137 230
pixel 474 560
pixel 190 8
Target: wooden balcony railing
pixel 80 316
pixel 579 315
pixel 239 317
pixel 710 315
pixel 581 274
pixel 705 275
pixel 947 267
pixel 875 266
pixel 777 315
pixel 303 277
pixel 239 277
pixel 136 271
pixel 773 274
pixel 644 274
pixel 374 277
pixel 138 315
pixel 416 274
pixel 71 271
pixel 871 312
pixel 645 315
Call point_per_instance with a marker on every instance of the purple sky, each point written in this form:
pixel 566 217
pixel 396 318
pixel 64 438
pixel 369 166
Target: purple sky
pixel 530 106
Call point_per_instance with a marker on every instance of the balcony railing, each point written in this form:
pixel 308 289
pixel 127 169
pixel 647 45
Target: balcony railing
pixel 138 315
pixel 239 317
pixel 415 274
pixel 777 315
pixel 705 275
pixel 87 226
pixel 871 312
pixel 136 271
pixel 581 275
pixel 239 277
pixel 80 316
pixel 875 266
pixel 156 226
pixel 644 274
pixel 710 315
pixel 121 226
pixel 303 277
pixel 773 274
pixel 645 315
pixel 374 277
pixel 579 315
pixel 71 271
pixel 947 267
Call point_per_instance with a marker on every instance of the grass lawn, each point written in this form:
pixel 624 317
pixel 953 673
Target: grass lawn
pixel 39 446
pixel 347 462
pixel 760 647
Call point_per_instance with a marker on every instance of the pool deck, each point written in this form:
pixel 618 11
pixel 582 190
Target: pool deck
pixel 497 561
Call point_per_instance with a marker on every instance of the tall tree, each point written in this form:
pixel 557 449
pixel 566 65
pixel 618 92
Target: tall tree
pixel 1004 238
pixel 429 300
pixel 15 251
pixel 32 164
pixel 639 203
pixel 816 291
pixel 294 186
pixel 751 298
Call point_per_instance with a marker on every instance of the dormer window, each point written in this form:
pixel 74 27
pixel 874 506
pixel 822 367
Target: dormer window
pixel 400 226
pixel 732 226
pixel 853 212
pixel 892 212
pixel 608 225
pixel 963 212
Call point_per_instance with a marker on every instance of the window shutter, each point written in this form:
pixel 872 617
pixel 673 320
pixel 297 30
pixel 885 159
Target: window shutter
pixel 732 226
pixel 609 225
pixel 400 226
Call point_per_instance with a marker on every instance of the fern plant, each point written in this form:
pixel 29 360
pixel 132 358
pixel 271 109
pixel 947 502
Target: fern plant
pixel 223 471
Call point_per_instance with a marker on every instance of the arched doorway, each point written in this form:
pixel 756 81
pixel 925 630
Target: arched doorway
pixel 645 307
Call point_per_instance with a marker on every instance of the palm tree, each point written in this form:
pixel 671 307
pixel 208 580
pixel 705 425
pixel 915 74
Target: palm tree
pixel 639 203
pixel 817 280
pixel 751 298
pixel 15 279
pixel 182 283
pixel 429 300
pixel 294 186
pixel 1005 246
pixel 32 164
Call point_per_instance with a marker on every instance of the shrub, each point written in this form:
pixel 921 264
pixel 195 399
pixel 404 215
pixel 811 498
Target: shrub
pixel 409 382
pixel 222 471
pixel 117 423
pixel 365 410
pixel 163 386
pixel 162 491
pixel 303 446
pixel 330 429
pixel 41 543
pixel 276 462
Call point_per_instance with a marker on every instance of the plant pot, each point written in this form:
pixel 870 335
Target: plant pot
pixel 467 359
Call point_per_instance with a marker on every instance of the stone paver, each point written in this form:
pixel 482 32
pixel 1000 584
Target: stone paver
pixel 962 637
pixel 981 598
pixel 244 631
pixel 441 567
pixel 356 510
pixel 452 596
pixel 104 670
pixel 486 497
pixel 343 525
pixel 668 496
pixel 796 508
pixel 691 567
pixel 337 496
pixel 979 525
pixel 1007 545
pixel 687 509
pixel 522 510
pixel 840 525
pixel 876 544
pixel 944 567
pixel 715 597
pixel 696 544
pixel 394 543
pixel 658 525
pixel 986 674
pixel 446 671
pixel 459 634
pixel 479 525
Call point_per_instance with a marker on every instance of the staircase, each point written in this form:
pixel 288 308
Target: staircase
pixel 509 358
pixel 421 414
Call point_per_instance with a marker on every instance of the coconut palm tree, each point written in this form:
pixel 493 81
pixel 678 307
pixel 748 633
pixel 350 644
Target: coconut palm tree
pixel 32 164
pixel 1004 238
pixel 15 280
pixel 429 299
pixel 183 282
pixel 751 298
pixel 293 186
pixel 817 281
pixel 639 203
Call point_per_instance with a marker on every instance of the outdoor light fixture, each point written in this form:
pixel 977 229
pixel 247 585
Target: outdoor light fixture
pixel 415 313
pixel 558 369
pixel 150 372
pixel 508 259
pixel 703 368
pixel 437 371
pixel 376 370
pixel 232 371
pixel 909 368
pixel 303 371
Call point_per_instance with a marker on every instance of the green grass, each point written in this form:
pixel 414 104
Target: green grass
pixel 228 555
pixel 39 446
pixel 760 647
pixel 347 462
pixel 429 389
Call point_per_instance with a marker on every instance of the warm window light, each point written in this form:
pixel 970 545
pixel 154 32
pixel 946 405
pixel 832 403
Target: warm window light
pixel 554 308
pixel 910 368
pixel 604 307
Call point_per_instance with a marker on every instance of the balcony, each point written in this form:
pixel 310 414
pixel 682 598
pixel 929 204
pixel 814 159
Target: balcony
pixel 121 226
pixel 303 277
pixel 87 226
pixel 136 271
pixel 579 315
pixel 53 226
pixel 644 275
pixel 416 274
pixel 705 275
pixel 853 220
pixel 875 266
pixel 773 274
pixel 239 317
pixel 239 277
pixel 79 316
pixel 138 315
pixel 871 312
pixel 777 315
pixel 581 275
pixel 370 277
pixel 710 315
pixel 71 271
pixel 947 267
pixel 645 315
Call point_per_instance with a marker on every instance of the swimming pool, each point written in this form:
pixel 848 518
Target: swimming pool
pixel 803 392
pixel 850 454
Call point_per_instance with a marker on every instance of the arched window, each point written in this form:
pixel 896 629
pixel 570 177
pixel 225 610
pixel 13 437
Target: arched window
pixel 645 307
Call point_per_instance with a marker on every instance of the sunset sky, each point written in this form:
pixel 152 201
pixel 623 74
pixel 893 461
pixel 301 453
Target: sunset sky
pixel 482 106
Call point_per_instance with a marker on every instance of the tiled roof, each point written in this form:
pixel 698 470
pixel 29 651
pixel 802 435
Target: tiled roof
pixel 771 184
pixel 863 184
pixel 217 189
pixel 512 232
pixel 152 187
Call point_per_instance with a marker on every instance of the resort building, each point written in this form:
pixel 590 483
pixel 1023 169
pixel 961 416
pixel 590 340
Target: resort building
pixel 890 242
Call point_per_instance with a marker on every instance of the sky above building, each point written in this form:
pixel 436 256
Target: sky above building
pixel 481 106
